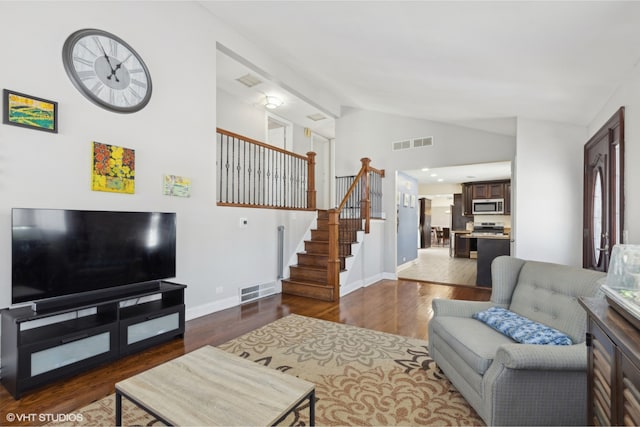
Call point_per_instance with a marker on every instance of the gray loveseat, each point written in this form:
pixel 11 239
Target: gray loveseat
pixel 506 382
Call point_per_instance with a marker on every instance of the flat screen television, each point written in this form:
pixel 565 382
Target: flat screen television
pixel 58 253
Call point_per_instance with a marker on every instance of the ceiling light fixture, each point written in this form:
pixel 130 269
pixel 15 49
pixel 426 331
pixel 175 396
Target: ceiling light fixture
pixel 272 102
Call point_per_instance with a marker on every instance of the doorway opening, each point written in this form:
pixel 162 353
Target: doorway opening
pixel 279 132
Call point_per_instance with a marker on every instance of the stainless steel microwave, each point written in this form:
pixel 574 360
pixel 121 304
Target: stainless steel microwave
pixel 488 206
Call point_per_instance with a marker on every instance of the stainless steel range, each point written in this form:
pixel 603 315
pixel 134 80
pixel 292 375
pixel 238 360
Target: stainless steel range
pixel 488 228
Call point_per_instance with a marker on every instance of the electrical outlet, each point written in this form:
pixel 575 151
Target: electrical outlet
pixel 219 290
pixel 244 223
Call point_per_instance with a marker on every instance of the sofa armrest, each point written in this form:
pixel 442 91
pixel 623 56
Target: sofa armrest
pixel 458 308
pixel 543 357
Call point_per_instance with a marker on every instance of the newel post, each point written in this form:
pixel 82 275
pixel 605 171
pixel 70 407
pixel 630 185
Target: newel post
pixel 311 180
pixel 365 201
pixel 333 262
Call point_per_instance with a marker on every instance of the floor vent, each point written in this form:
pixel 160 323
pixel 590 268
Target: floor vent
pixel 423 142
pixel 253 293
pixel 401 145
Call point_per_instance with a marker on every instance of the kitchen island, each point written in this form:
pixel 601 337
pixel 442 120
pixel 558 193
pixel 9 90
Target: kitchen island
pixel 489 246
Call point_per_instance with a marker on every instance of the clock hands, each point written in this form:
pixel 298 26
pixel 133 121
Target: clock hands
pixel 113 71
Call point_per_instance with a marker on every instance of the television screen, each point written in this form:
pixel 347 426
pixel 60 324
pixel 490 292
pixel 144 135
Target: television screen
pixel 59 252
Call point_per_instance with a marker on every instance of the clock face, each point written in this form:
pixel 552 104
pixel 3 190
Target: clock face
pixel 107 70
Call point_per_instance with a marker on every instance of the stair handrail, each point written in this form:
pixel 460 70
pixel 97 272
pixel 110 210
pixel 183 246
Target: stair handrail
pixel 364 213
pixel 295 191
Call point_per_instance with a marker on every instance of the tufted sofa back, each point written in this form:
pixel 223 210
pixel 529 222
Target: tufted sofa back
pixel 548 293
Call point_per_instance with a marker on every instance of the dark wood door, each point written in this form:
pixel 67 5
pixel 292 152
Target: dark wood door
pixel 603 199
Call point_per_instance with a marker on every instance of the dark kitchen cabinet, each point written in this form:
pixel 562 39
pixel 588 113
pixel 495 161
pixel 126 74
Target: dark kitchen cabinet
pixel 458 220
pixel 467 199
pixel 488 250
pixel 480 191
pixel 507 198
pixel 462 246
pixel 486 190
pixel 496 190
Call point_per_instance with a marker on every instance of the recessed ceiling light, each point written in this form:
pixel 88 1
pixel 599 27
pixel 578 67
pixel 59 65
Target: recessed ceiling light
pixel 440 179
pixel 434 174
pixel 424 169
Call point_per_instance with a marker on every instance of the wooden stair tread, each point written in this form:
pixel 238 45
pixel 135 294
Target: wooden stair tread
pixel 311 267
pixel 307 283
pixel 321 254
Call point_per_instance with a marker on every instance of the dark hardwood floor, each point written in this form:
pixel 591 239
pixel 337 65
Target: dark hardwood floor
pixel 398 307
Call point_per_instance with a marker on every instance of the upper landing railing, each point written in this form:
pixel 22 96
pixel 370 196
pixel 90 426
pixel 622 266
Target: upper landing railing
pixel 253 174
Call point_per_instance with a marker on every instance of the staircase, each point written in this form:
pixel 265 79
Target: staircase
pixel 309 278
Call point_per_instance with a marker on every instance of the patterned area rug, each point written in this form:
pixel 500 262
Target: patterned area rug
pixel 362 377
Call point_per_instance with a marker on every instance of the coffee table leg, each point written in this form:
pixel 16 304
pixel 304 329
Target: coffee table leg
pixel 118 408
pixel 312 408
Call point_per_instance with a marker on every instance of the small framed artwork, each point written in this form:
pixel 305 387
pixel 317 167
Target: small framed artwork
pixel 174 185
pixel 407 198
pixel 29 111
pixel 413 201
pixel 113 168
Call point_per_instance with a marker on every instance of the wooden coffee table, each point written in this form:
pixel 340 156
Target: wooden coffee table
pixel 210 387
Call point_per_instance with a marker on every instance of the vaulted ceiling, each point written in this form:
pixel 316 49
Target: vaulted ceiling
pixel 475 63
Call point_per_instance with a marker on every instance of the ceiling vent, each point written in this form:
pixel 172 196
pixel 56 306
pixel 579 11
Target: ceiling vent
pixel 427 141
pixel 401 145
pixel 249 80
pixel 316 117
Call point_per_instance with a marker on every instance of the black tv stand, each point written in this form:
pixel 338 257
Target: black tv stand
pixel 39 347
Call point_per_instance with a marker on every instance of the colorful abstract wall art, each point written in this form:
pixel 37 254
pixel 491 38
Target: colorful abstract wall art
pixel 113 169
pixel 174 185
pixel 29 111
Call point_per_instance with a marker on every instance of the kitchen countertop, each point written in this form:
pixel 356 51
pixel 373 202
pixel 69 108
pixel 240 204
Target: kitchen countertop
pixel 485 236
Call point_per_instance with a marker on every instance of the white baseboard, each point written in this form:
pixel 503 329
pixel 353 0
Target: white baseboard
pixel 350 287
pixel 212 307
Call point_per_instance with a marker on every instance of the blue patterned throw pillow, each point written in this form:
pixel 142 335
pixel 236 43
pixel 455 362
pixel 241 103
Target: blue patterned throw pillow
pixel 520 328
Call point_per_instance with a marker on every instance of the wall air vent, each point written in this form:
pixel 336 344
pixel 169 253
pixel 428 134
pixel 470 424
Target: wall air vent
pixel 249 80
pixel 253 293
pixel 316 117
pixel 427 141
pixel 401 145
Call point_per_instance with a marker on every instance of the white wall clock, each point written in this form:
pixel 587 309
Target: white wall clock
pixel 106 70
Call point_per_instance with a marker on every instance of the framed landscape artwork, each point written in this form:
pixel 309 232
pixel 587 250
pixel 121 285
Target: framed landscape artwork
pixel 113 169
pixel 29 111
pixel 174 185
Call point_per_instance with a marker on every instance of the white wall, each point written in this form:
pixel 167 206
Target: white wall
pixel 239 117
pixel 363 269
pixel 362 133
pixel 628 96
pixel 548 184
pixel 174 134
